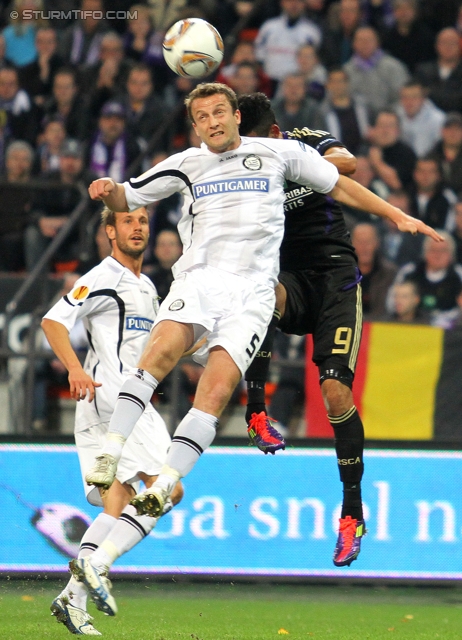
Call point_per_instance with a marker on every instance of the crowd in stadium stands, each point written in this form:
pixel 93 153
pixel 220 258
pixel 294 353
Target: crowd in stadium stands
pixel 86 96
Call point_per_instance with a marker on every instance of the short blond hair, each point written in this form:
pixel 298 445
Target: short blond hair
pixel 108 217
pixel 207 89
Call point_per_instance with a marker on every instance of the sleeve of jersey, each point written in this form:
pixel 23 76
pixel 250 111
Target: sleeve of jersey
pixel 76 304
pixel 319 140
pixel 305 166
pixel 159 182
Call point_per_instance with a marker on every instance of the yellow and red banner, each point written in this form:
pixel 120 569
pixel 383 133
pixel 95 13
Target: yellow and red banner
pixel 407 384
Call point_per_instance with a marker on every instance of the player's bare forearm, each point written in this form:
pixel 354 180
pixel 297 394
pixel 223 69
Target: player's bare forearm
pixel 79 382
pixel 342 159
pixel 58 338
pixel 112 193
pixel 354 195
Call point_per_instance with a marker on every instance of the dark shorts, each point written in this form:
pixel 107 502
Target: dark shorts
pixel 328 305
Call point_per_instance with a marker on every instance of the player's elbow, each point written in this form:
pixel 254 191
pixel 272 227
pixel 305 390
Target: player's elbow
pixel 349 165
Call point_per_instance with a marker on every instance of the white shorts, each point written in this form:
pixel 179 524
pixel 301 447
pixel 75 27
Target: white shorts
pixel 145 451
pixel 231 311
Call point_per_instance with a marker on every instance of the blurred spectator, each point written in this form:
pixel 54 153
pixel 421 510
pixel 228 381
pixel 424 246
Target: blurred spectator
pixel 143 43
pixel 81 42
pixel 165 12
pixel 457 233
pixel 377 272
pixel 375 75
pixel 53 207
pixel 438 278
pixel 244 79
pixel 337 44
pixel 107 78
pixel 37 77
pixel 293 108
pixel 448 151
pixel 314 72
pixel 245 52
pixel 430 200
pixel 405 302
pixel 140 30
pixel 408 39
pixel 392 159
pixel 22 114
pixel 279 38
pixel 112 150
pixel 167 250
pixel 48 152
pixel 346 116
pixel 420 120
pixel 289 396
pixel 145 110
pixel 18 161
pixel 67 105
pixel 443 77
pixel 397 247
pixel 455 321
pixel 20 33
pixel 18 165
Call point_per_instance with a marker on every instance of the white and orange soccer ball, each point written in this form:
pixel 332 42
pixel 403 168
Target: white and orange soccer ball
pixel 193 48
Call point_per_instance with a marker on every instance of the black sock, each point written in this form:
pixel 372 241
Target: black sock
pixel 258 371
pixel 349 446
pixel 255 399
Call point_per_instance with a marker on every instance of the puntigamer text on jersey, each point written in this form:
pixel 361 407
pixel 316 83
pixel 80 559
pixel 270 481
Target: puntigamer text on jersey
pixel 223 186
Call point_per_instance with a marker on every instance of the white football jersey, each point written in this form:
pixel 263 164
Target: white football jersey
pixel 233 211
pixel 118 311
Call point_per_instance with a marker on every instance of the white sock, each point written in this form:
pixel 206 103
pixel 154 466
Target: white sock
pixel 134 395
pixel 95 534
pixel 194 434
pixel 129 529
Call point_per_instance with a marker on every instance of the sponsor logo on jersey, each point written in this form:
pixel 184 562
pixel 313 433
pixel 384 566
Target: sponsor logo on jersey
pixel 133 323
pixel 176 305
pixel 252 162
pixel 225 186
pixel 80 293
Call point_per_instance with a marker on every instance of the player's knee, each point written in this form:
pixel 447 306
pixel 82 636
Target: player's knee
pixel 336 390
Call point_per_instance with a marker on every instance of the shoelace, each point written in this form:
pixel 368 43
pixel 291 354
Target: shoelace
pixel 262 425
pixel 348 531
pixel 103 463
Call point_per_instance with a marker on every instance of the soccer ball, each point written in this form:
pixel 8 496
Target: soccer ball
pixel 193 48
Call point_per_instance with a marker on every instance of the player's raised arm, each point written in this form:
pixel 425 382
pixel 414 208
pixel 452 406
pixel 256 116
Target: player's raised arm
pixel 354 195
pixel 80 383
pixel 112 193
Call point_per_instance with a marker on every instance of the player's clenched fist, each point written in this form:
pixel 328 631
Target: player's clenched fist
pixel 101 188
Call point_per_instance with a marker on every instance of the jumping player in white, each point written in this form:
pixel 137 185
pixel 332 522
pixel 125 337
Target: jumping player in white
pixel 231 229
pixel 118 305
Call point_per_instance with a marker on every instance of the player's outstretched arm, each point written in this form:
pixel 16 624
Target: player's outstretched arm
pixel 112 193
pixel 354 195
pixel 80 382
pixel 342 159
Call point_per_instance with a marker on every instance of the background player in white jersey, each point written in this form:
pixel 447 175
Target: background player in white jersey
pixel 118 306
pixel 231 229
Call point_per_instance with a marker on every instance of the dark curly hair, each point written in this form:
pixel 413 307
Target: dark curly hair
pixel 257 115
